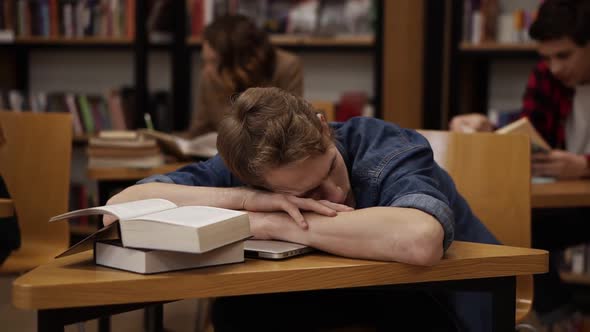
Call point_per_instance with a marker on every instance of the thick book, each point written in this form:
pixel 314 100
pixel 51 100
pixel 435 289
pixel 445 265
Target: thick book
pixel 200 146
pixel 112 253
pixel 524 127
pixel 160 224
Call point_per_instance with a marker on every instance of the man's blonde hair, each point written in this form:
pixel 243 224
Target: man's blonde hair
pixel 267 128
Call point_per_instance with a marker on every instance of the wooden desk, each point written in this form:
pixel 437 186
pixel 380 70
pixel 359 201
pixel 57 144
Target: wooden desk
pixel 122 173
pixel 109 179
pixel 6 208
pixel 561 194
pixel 73 288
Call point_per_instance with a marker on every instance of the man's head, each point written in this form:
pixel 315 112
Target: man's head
pixel 562 29
pixel 275 140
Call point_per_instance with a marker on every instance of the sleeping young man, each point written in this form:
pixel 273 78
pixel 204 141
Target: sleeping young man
pixel 364 189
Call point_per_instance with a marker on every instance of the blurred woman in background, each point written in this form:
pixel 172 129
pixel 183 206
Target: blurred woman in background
pixel 237 55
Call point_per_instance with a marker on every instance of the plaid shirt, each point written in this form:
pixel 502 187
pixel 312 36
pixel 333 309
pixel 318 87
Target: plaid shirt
pixel 547 103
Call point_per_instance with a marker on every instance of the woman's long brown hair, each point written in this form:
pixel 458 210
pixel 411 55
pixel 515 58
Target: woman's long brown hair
pixel 246 57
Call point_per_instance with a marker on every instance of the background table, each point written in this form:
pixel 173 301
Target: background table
pixel 561 194
pixel 109 179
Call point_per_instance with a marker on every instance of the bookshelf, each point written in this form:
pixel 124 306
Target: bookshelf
pixel 470 78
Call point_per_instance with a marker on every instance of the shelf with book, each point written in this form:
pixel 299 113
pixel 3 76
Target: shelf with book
pixel 484 35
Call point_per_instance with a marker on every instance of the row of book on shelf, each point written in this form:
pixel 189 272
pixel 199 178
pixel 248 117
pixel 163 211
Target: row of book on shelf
pixel 91 113
pixel 486 21
pixel 290 16
pixel 116 18
pixel 68 18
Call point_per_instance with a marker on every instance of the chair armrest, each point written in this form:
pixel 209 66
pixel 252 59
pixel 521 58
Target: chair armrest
pixel 6 208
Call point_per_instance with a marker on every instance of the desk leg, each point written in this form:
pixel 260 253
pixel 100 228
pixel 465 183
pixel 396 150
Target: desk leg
pixel 104 324
pixel 54 320
pixel 503 303
pixel 154 318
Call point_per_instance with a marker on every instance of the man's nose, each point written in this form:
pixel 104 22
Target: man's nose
pixel 556 68
pixel 332 192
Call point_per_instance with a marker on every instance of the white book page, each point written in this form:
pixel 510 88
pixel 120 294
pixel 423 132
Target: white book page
pixel 191 216
pixel 122 211
pixel 200 146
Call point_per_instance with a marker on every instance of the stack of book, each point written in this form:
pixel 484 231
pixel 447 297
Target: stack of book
pixel 123 149
pixel 155 235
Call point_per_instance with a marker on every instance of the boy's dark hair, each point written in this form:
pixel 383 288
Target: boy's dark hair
pixel 563 19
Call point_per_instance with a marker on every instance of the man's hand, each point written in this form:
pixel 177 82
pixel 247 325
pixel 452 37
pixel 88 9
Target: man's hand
pixel 471 122
pixel 262 201
pixel 261 222
pixel 559 164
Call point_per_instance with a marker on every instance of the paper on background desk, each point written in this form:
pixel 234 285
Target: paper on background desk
pixel 542 179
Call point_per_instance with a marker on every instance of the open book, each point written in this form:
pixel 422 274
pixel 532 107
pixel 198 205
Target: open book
pixel 111 253
pixel 524 126
pixel 160 224
pixel 200 146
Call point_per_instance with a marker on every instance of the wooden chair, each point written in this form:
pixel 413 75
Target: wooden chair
pixel 492 172
pixel 35 164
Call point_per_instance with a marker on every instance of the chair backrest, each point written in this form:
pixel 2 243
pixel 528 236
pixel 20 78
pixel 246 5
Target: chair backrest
pixel 492 172
pixel 35 164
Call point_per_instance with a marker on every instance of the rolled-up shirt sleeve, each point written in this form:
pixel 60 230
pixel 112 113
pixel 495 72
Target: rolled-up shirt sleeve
pixel 409 179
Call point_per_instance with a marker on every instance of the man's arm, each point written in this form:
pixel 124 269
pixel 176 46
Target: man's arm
pixel 382 233
pixel 236 198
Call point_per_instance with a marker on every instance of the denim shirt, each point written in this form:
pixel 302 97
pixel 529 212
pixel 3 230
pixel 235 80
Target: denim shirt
pixel 387 166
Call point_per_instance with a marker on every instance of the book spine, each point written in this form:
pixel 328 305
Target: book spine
pixel 86 114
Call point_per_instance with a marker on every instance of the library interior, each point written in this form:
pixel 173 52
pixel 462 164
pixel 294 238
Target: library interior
pixel 289 165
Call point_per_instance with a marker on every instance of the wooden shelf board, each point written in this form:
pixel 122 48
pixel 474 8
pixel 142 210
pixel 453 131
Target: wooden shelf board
pixel 497 47
pixel 294 40
pixel 72 41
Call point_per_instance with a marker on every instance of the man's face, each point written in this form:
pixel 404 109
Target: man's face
pixel 322 177
pixel 568 62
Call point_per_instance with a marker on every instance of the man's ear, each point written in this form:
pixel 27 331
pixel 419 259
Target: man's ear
pixel 321 117
pixel 323 121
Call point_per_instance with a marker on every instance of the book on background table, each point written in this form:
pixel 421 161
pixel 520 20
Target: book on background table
pixel 524 126
pixel 162 225
pixel 112 253
pixel 204 146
